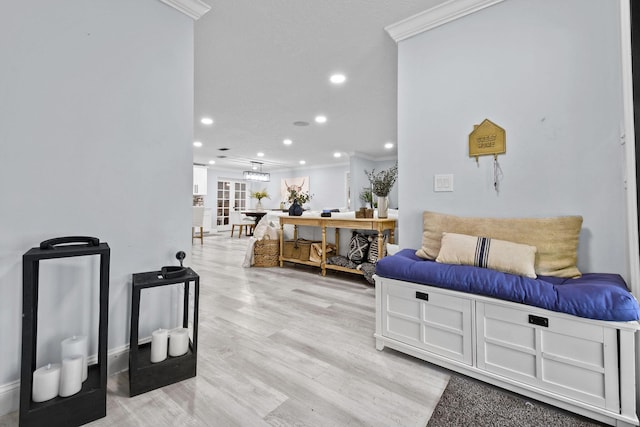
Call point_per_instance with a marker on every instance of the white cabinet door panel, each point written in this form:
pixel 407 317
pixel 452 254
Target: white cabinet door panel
pixel 429 320
pixel 575 358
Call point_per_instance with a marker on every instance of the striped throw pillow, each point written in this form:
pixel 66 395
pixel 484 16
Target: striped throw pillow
pixel 485 252
pixel 372 256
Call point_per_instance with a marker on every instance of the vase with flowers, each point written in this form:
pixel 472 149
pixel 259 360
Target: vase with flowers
pixel 297 199
pixel 261 194
pixel 381 184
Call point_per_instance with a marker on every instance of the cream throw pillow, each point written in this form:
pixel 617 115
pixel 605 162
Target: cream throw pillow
pixel 556 239
pixel 508 257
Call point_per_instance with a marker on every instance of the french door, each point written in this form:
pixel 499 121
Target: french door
pixel 232 195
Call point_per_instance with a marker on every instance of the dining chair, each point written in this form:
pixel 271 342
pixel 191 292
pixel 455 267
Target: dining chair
pixel 197 222
pixel 242 221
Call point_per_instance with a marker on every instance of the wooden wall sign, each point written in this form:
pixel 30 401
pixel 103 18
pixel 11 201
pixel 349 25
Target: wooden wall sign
pixel 486 139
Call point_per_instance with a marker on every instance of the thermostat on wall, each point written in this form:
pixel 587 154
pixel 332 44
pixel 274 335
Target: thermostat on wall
pixel 443 182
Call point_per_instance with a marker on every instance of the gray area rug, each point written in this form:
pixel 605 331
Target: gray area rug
pixel 469 402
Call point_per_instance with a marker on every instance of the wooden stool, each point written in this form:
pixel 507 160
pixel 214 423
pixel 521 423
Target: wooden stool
pixel 201 237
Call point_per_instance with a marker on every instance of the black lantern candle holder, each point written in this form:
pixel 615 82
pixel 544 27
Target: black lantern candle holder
pixel 145 376
pixel 91 402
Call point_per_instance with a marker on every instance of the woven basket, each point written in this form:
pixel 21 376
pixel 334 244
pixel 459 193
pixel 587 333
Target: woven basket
pixel 266 253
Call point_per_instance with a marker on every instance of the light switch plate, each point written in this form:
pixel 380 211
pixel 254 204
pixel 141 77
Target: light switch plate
pixel 443 182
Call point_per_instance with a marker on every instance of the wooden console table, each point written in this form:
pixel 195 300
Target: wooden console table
pixel 378 224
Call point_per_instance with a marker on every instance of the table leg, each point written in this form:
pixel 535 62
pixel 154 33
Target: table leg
pixel 381 248
pixel 323 261
pixel 281 244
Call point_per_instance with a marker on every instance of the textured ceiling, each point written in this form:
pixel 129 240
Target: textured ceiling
pixel 261 65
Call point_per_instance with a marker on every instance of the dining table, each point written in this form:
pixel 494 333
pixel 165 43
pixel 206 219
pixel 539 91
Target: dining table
pixel 255 214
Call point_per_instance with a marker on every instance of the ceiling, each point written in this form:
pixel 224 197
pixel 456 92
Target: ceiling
pixel 261 65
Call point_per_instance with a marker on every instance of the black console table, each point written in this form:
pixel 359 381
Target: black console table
pixel 145 376
pixel 91 402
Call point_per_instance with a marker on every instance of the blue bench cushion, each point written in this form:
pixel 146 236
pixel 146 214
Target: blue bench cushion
pixel 600 296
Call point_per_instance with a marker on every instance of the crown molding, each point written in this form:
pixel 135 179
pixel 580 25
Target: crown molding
pixel 360 155
pixel 194 9
pixel 439 15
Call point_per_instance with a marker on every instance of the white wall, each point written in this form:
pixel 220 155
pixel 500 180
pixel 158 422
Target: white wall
pixel 549 73
pixel 327 185
pixel 96 117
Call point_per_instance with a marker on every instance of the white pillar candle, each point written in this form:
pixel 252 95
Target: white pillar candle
pixel 178 342
pixel 45 382
pixel 76 345
pixel 71 375
pixel 159 345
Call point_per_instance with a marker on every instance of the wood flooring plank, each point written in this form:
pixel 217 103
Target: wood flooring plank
pixel 298 384
pixel 362 304
pixel 303 412
pixel 397 374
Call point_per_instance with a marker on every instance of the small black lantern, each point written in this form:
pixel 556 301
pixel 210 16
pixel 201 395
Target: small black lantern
pixel 144 375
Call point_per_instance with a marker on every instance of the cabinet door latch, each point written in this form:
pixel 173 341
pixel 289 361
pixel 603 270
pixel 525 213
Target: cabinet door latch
pixel 422 296
pixel 537 320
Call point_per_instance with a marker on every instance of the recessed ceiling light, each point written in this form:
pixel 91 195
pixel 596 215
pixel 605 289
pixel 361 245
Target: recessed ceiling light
pixel 287 142
pixel 388 145
pixel 302 162
pixel 212 162
pixel 301 123
pixel 336 155
pixel 197 144
pixel 206 121
pixel 337 78
pixel 260 154
pixel 321 119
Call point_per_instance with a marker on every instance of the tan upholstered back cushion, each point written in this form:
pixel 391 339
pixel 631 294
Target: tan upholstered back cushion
pixel 556 239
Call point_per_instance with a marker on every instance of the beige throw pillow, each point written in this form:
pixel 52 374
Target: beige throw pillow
pixel 508 257
pixel 556 239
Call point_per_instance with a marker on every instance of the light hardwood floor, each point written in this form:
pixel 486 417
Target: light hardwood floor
pixel 281 347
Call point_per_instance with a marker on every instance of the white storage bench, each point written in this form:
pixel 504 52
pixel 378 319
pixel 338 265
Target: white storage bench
pixel 581 365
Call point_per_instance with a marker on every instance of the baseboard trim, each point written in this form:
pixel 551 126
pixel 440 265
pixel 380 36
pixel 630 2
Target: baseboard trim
pixel 9 397
pixel 117 361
